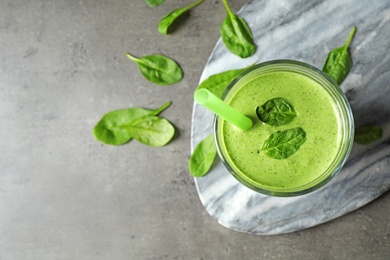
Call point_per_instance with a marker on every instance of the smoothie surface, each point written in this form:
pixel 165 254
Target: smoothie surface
pixel 316 114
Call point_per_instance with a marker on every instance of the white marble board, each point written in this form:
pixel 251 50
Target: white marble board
pixel 307 30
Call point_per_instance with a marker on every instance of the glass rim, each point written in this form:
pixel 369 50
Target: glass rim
pixel 347 127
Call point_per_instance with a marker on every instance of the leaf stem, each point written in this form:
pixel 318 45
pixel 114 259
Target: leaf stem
pixel 351 34
pixel 131 57
pixel 227 7
pixel 163 107
pixel 194 4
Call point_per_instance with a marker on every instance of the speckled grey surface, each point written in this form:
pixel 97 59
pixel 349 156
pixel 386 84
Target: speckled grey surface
pixel 63 195
pixel 307 31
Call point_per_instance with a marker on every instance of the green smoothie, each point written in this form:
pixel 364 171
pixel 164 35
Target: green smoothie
pixel 317 113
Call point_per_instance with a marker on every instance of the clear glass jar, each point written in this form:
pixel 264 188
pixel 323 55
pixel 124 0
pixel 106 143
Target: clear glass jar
pixel 345 132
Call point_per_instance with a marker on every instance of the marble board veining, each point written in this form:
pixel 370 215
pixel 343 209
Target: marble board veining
pixel 307 30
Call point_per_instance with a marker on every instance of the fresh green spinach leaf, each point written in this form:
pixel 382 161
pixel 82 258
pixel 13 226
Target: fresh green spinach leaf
pixel 158 69
pixel 150 130
pixel 339 63
pixel 109 131
pixel 170 18
pixel 283 144
pixel 277 111
pixel 218 83
pixel 154 3
pixel 203 157
pixel 368 134
pixel 237 35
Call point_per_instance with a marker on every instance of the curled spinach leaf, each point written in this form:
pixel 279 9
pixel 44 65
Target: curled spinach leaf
pixel 276 111
pixel 203 157
pixel 338 63
pixel 154 3
pixel 109 129
pixel 368 134
pixel 150 130
pixel 236 34
pixel 218 83
pixel 283 144
pixel 170 18
pixel 158 69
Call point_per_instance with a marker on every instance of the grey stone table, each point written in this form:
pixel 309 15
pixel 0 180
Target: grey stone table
pixel 307 31
pixel 65 196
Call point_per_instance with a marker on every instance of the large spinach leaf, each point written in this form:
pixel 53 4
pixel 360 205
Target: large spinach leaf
pixel 236 34
pixel 158 69
pixel 339 63
pixel 203 157
pixel 169 19
pixel 368 134
pixel 109 129
pixel 218 83
pixel 150 130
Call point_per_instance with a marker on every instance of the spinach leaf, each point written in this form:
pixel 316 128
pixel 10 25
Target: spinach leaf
pixel 170 18
pixel 109 131
pixel 158 69
pixel 237 35
pixel 154 3
pixel 203 157
pixel 368 134
pixel 283 144
pixel 339 63
pixel 150 130
pixel 276 111
pixel 218 83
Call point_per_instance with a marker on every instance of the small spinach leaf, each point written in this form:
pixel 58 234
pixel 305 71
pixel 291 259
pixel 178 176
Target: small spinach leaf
pixel 339 63
pixel 158 69
pixel 283 144
pixel 237 35
pixel 218 83
pixel 150 130
pixel 154 3
pixel 170 18
pixel 277 111
pixel 108 130
pixel 368 134
pixel 203 157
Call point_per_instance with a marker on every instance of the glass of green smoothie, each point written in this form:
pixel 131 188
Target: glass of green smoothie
pixel 321 110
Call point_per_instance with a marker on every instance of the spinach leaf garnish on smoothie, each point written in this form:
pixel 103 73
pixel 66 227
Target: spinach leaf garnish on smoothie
pixel 339 63
pixel 277 111
pixel 283 144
